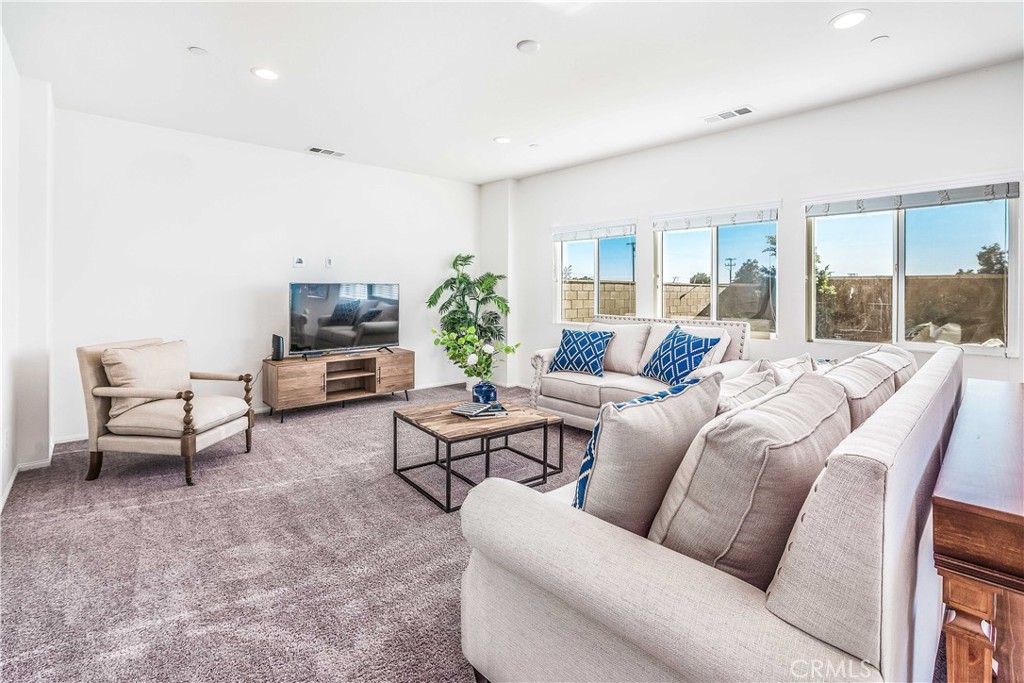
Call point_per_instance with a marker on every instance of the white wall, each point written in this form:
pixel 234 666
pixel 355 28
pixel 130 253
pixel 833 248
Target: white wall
pixel 182 236
pixel 497 201
pixel 952 128
pixel 10 90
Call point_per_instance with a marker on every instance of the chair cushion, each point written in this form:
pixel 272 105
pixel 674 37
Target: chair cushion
pixel 165 417
pixel 744 389
pixel 156 366
pixel 626 388
pixel 578 387
pixel 677 356
pixel 625 348
pixel 868 380
pixel 581 351
pixel 736 495
pixel 624 484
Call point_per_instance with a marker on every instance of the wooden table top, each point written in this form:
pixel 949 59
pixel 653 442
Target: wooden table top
pixel 979 496
pixel 438 421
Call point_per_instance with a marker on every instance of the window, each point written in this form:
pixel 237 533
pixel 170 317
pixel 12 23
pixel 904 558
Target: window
pixel 934 269
pixel 605 257
pixel 733 249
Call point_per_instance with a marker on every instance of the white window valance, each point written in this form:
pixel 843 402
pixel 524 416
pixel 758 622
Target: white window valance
pixel 589 232
pixel 962 195
pixel 755 213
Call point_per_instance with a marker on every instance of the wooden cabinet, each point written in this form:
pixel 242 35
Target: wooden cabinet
pixel 299 383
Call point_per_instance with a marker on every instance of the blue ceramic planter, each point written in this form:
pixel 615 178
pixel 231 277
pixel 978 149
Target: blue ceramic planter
pixel 485 392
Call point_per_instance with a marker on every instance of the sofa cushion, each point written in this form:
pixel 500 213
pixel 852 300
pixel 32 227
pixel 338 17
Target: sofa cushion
pixel 165 417
pixel 867 381
pixel 577 387
pixel 787 369
pixel 629 387
pixel 344 312
pixel 734 499
pixel 677 356
pixel 744 389
pixel 157 366
pixel 581 351
pixel 902 361
pixel 623 483
pixel 625 348
pixel 389 313
pixel 368 316
pixel 341 335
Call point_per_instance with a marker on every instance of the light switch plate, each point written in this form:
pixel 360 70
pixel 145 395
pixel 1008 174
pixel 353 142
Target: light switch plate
pixel 329 262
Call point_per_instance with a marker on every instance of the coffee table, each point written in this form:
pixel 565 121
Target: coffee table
pixel 437 421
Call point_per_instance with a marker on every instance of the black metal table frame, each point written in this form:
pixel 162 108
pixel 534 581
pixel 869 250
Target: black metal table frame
pixel 486 449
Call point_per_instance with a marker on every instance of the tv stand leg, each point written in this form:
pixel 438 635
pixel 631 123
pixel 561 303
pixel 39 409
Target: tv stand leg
pixel 271 412
pixel 281 421
pixel 385 348
pixel 406 394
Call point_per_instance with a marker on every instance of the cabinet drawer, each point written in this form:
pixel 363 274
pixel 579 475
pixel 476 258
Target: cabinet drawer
pixel 301 384
pixel 400 365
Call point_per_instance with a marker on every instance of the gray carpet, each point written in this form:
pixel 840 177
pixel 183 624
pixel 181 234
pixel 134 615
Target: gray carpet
pixel 306 559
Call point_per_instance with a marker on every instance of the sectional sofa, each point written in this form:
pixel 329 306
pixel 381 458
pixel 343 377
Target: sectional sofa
pixel 553 593
pixel 576 398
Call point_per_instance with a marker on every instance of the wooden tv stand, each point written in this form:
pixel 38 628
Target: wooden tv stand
pixel 301 383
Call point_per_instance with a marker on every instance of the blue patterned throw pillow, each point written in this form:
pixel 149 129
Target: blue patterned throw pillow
pixel 345 313
pixel 581 351
pixel 677 356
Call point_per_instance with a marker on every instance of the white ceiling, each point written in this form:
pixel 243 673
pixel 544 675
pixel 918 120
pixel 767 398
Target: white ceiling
pixel 424 87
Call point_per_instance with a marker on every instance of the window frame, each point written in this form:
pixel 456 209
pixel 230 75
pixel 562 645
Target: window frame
pixel 659 276
pixel 1013 301
pixel 557 246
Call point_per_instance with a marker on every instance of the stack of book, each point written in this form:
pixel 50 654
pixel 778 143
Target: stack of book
pixel 480 411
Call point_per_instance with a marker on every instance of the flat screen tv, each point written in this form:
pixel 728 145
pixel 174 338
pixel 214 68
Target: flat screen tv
pixel 342 316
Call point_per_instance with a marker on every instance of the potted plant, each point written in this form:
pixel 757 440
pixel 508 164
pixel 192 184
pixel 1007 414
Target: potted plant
pixel 476 357
pixel 471 303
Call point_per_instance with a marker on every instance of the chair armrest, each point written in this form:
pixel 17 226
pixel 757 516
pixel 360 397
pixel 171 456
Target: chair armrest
pixel 540 361
pixel 702 622
pixel 729 369
pixel 129 392
pixel 323 320
pixel 219 376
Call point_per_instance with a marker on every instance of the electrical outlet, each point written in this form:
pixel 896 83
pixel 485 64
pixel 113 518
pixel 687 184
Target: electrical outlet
pixel 329 262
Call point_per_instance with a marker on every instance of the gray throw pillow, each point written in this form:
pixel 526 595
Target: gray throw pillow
pixel 635 449
pixel 158 366
pixel 737 493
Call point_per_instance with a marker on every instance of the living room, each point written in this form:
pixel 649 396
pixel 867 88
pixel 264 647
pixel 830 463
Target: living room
pixel 158 183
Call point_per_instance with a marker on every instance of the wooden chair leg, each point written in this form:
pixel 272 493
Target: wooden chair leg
pixel 95 465
pixel 188 437
pixel 188 471
pixel 248 432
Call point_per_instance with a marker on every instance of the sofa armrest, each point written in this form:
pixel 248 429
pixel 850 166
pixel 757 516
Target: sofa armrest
pixel 730 369
pixel 541 361
pixel 701 622
pixel 131 392
pixel 323 320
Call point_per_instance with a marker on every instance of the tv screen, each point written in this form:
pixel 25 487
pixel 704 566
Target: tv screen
pixel 342 316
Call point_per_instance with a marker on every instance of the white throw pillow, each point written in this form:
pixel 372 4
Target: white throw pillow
pixel 787 369
pixel 158 366
pixel 625 347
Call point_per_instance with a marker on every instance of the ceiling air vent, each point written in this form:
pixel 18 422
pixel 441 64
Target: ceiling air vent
pixel 726 115
pixel 325 152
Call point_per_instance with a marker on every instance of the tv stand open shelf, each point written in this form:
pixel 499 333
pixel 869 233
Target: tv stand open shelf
pixel 301 383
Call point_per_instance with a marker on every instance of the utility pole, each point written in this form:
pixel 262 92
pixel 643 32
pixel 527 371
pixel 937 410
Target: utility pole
pixel 729 263
pixel 632 263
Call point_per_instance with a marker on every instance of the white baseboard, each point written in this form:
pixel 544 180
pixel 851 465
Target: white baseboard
pixel 34 465
pixel 7 489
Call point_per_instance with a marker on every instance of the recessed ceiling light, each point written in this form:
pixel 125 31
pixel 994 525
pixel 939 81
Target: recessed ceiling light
pixel 528 46
pixel 849 19
pixel 264 73
pixel 879 39
pixel 196 50
pixel 534 144
pixel 502 140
